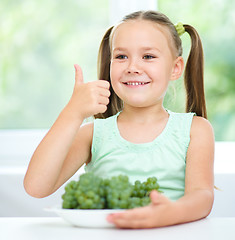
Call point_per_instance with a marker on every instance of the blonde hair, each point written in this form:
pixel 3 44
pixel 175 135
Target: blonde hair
pixel 194 70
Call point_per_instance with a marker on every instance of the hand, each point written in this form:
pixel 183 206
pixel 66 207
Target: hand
pixel 157 214
pixel 89 98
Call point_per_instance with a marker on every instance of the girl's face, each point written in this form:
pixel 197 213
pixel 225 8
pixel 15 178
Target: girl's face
pixel 142 63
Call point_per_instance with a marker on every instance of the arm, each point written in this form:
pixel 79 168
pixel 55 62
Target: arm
pixel 199 175
pixel 198 198
pixel 66 147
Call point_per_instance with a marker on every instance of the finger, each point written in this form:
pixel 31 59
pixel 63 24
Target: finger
pixel 157 198
pixel 103 84
pixel 131 219
pixel 103 100
pixel 78 74
pixel 154 196
pixel 128 215
pixel 135 224
pixel 101 108
pixel 104 92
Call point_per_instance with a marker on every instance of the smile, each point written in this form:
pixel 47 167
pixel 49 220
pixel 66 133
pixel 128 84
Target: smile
pixel 136 83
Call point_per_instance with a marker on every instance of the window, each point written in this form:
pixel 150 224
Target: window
pixel 41 40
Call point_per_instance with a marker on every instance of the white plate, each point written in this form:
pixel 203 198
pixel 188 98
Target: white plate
pixel 92 218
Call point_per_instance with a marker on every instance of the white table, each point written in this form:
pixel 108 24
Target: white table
pixel 56 228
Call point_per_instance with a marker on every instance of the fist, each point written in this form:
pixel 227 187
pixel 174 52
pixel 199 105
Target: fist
pixel 89 98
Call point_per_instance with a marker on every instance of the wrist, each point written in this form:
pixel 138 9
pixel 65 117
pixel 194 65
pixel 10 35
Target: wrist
pixel 71 117
pixel 177 212
pixel 172 214
pixel 73 113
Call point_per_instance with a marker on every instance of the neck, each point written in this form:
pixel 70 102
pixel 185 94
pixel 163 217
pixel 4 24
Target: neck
pixel 143 115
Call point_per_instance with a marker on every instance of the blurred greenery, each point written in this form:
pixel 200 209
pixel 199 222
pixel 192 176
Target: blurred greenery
pixel 215 22
pixel 41 40
pixel 39 43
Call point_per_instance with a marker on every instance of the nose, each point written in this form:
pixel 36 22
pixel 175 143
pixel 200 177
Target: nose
pixel 134 67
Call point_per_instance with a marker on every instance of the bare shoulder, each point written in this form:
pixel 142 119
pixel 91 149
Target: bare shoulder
pixel 83 139
pixel 86 132
pixel 201 128
pixel 200 156
pixel 201 146
pixel 201 138
pixel 87 127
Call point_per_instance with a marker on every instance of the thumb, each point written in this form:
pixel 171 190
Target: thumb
pixel 78 74
pixel 156 197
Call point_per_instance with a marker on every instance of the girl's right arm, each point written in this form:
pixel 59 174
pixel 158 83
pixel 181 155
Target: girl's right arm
pixel 67 145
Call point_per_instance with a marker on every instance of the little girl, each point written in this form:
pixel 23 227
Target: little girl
pixel 133 134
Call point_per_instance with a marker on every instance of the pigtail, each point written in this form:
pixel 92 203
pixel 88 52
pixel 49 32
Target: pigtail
pixel 103 68
pixel 194 75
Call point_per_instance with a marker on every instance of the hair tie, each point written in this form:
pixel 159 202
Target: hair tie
pixel 180 28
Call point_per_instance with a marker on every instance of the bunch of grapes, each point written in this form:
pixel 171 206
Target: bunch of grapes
pixel 93 192
pixel 118 192
pixel 140 194
pixel 69 199
pixel 144 189
pixel 87 193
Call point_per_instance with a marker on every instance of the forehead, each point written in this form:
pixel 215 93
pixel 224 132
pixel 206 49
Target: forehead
pixel 137 32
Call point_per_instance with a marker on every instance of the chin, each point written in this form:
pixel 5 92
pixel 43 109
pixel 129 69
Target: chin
pixel 137 104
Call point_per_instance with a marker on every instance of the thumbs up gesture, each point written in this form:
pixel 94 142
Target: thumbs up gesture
pixel 90 98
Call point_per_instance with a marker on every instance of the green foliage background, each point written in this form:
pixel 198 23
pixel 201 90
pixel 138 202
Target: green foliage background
pixel 39 43
pixel 41 40
pixel 215 22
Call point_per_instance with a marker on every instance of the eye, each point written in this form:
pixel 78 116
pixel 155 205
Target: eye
pixel 148 56
pixel 121 56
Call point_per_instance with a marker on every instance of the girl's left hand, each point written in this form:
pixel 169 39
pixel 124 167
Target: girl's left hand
pixel 159 213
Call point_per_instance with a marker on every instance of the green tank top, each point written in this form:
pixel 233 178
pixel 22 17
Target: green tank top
pixel 164 157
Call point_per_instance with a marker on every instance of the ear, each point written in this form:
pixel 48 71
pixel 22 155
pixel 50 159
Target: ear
pixel 178 68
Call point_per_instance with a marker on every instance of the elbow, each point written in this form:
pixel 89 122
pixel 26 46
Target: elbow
pixel 199 205
pixel 29 189
pixel 32 190
pixel 209 201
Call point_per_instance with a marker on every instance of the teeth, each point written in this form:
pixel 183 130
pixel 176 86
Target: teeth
pixel 135 83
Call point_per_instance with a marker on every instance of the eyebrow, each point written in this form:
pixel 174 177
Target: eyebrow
pixel 119 49
pixel 143 48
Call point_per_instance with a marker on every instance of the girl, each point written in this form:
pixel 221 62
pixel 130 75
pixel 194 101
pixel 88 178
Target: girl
pixel 136 135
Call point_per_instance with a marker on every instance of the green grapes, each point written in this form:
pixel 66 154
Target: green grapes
pixel 118 191
pixel 93 192
pixel 87 193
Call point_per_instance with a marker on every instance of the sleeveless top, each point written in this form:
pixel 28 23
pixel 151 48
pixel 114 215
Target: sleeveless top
pixel 164 157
